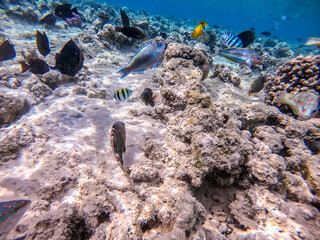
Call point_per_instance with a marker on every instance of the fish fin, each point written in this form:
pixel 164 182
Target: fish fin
pixel 283 97
pixel 246 38
pixel 25 67
pixel 75 10
pixel 216 50
pixel 124 71
pixel 125 18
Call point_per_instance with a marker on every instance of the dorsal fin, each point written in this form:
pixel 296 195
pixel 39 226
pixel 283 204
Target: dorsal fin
pixel 125 19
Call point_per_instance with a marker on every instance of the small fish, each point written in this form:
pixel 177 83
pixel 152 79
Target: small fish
pixel 7 51
pixel 300 39
pixel 198 31
pixel 65 11
pixel 36 66
pixel 242 40
pixel 42 43
pixel 125 18
pixel 49 19
pixel 163 35
pixel 122 94
pixel 305 104
pixel 240 55
pixel 147 57
pixel 216 26
pixel 118 142
pixel 70 59
pixel 266 33
pixel 257 85
pixel 133 32
pixel 147 97
pixel 10 214
pixel 313 41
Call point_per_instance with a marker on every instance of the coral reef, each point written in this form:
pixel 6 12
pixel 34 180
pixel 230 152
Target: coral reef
pixel 222 72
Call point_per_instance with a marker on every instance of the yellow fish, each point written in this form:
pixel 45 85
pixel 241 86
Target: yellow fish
pixel 198 31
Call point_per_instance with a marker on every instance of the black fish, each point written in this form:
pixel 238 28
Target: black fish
pixel 299 39
pixel 266 33
pixel 147 97
pixel 42 43
pixel 246 37
pixel 125 19
pixel 216 26
pixel 70 59
pixel 36 66
pixel 257 85
pixel 132 32
pixel 7 51
pixel 64 11
pixel 163 35
pixel 118 141
pixel 49 19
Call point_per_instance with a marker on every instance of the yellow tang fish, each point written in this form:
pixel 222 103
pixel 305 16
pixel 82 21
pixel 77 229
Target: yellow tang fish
pixel 198 31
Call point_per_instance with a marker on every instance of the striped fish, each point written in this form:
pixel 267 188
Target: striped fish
pixel 242 40
pixel 118 142
pixel 10 214
pixel 122 94
pixel 239 55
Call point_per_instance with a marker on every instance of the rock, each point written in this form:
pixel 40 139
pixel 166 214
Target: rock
pixel 41 90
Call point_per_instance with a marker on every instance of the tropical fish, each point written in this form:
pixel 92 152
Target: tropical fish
pixel 313 41
pixel 7 51
pixel 70 59
pixel 216 26
pixel 49 19
pixel 239 55
pixel 163 35
pixel 257 85
pixel 305 104
pixel 36 66
pixel 122 94
pixel 10 214
pixel 242 40
pixel 198 31
pixel 65 11
pixel 266 33
pixel 147 97
pixel 147 57
pixel 118 142
pixel 42 43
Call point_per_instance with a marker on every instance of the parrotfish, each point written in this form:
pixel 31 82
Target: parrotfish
pixel 240 55
pixel 198 31
pixel 122 94
pixel 10 214
pixel 36 66
pixel 118 142
pixel 7 51
pixel 147 57
pixel 305 104
pixel 242 40
pixel 313 41
pixel 42 43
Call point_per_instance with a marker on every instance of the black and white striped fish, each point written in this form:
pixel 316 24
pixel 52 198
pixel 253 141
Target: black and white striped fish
pixel 118 142
pixel 122 94
pixel 242 40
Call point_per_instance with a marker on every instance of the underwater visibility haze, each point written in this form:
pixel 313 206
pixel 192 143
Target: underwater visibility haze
pixel 159 120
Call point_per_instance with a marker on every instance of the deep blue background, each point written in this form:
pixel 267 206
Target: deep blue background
pixel 292 18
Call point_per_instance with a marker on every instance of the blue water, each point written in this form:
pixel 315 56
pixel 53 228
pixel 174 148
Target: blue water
pixel 286 19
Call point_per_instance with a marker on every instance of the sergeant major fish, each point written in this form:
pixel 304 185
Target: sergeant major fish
pixel 239 55
pixel 122 94
pixel 118 142
pixel 147 57
pixel 305 104
pixel 198 31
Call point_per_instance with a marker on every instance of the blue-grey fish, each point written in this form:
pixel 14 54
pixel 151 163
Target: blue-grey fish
pixel 242 40
pixel 118 142
pixel 10 214
pixel 240 55
pixel 122 94
pixel 147 57
pixel 305 104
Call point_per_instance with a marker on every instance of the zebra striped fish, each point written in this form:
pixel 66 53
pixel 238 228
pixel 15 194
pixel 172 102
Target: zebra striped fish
pixel 122 94
pixel 118 142
pixel 242 40
pixel 239 55
pixel 10 214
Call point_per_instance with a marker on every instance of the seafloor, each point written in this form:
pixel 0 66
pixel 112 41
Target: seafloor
pixel 207 162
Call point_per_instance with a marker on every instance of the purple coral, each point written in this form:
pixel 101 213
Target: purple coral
pixel 75 21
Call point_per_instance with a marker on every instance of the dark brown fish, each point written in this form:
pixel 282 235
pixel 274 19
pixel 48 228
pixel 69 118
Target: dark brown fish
pixel 42 43
pixel 70 59
pixel 118 142
pixel 36 66
pixel 132 32
pixel 7 51
pixel 49 19
pixel 257 85
pixel 65 11
pixel 125 19
pixel 147 97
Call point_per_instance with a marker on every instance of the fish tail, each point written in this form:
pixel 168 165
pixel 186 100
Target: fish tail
pixel 124 71
pixel 216 50
pixel 284 97
pixel 25 67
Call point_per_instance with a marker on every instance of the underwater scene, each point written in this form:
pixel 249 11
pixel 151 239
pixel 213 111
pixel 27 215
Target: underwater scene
pixel 159 120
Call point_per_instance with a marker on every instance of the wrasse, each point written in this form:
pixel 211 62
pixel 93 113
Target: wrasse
pixel 10 214
pixel 198 31
pixel 313 41
pixel 122 94
pixel 305 104
pixel 118 142
pixel 239 55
